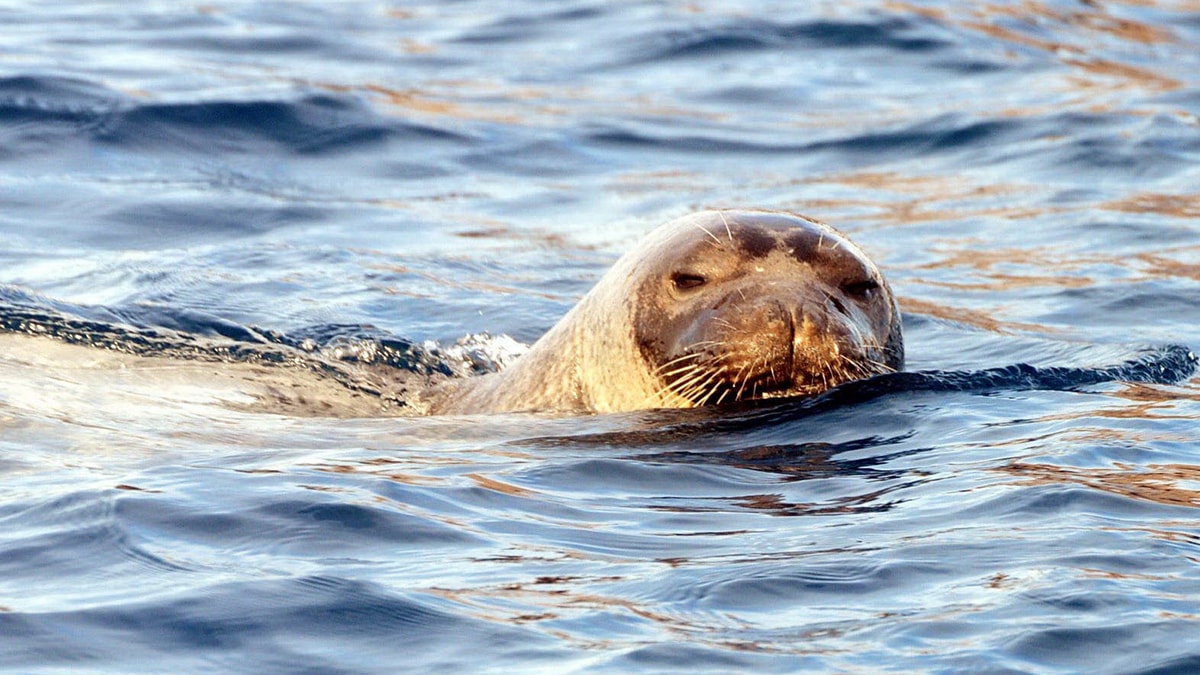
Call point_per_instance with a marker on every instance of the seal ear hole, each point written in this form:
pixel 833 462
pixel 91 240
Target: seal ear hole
pixel 686 281
pixel 861 289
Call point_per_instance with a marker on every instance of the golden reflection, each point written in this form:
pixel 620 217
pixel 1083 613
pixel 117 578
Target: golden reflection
pixel 923 199
pixel 1071 36
pixel 971 317
pixel 1010 35
pixel 935 13
pixel 508 103
pixel 134 488
pixel 1091 18
pixel 775 505
pixel 1178 616
pixel 1102 436
pixel 1187 536
pixel 1144 402
pixel 325 488
pixel 1157 394
pixel 557 241
pixel 658 182
pixel 386 471
pixel 914 212
pixel 418 101
pixel 1128 76
pixel 550 603
pixel 564 598
pixel 447 282
pixel 1139 267
pixel 1178 206
pixel 537 601
pixel 500 486
pixel 408 478
pixel 411 46
pixel 500 101
pixel 958 198
pixel 1158 483
pixel 898 182
pixel 1000 581
pixel 1126 29
pixel 1005 282
pixel 1112 574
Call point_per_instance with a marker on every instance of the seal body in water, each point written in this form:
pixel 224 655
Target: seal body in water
pixel 711 308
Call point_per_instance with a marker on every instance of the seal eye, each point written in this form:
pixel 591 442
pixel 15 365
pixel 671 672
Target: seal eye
pixel 685 281
pixel 861 289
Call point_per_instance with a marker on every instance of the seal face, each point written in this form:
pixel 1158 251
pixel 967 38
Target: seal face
pixel 712 308
pixel 762 304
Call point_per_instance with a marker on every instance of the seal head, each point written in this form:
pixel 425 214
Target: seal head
pixel 762 304
pixel 716 307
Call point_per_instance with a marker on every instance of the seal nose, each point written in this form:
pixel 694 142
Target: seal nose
pixel 793 316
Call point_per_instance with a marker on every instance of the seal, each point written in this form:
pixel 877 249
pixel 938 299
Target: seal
pixel 712 308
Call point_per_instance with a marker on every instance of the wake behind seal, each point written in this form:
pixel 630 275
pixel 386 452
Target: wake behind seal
pixel 716 307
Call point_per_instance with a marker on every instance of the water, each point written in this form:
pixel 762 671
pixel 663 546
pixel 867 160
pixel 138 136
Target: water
pixel 1024 172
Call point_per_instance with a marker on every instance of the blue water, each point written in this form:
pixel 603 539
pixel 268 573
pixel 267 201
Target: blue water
pixel 1025 173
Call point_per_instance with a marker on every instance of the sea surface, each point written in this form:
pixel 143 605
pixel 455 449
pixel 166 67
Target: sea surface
pixel 1026 173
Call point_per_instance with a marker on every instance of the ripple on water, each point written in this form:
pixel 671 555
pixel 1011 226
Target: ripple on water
pixel 224 623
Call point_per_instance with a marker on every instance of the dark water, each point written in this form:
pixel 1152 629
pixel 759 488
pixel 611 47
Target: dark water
pixel 1026 173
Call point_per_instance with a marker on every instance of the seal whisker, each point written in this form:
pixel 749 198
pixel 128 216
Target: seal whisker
pixel 687 368
pixel 724 322
pixel 724 392
pixel 672 401
pixel 690 395
pixel 733 381
pixel 877 365
pixel 690 354
pixel 670 387
pixel 691 379
pixel 709 379
pixel 720 244
pixel 675 361
pixel 679 364
pixel 713 389
pixel 742 388
pixel 726 222
pixel 679 367
pixel 705 387
pixel 690 374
